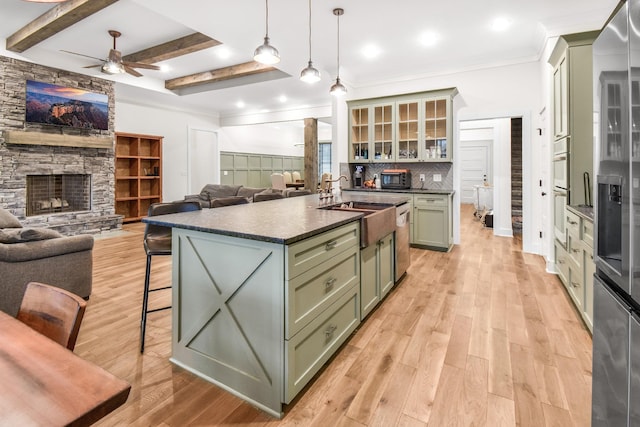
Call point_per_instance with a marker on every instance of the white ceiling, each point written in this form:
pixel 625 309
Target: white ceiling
pixel 464 27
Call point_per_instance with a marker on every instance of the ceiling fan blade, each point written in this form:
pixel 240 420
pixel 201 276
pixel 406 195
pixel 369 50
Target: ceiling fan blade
pixel 140 65
pixel 80 54
pixel 131 71
pixel 92 66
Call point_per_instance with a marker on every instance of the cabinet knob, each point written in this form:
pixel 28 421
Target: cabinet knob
pixel 328 285
pixel 328 333
pixel 330 245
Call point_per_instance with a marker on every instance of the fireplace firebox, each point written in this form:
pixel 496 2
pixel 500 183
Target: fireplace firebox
pixel 54 193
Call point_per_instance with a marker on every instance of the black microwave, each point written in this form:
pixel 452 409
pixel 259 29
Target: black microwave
pixel 395 178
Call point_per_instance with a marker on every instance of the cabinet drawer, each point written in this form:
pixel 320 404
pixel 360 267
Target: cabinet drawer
pixel 587 233
pixel 572 222
pixel 310 348
pixel 574 249
pixel 429 200
pixel 562 263
pixel 314 290
pixel 308 253
pixel 576 285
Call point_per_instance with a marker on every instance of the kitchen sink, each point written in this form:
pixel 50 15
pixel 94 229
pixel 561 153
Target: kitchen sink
pixel 379 219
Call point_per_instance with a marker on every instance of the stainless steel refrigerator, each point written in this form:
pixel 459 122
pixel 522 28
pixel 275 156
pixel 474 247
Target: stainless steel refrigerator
pixel 616 323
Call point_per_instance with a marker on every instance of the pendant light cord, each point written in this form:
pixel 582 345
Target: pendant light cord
pixel 266 2
pixel 309 30
pixel 338 71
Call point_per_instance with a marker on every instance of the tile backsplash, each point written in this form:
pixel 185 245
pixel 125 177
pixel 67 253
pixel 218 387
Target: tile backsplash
pixel 445 170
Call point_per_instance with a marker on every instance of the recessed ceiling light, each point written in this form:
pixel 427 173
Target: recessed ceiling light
pixel 429 38
pixel 500 24
pixel 370 51
pixel 282 98
pixel 240 104
pixel 223 52
pixel 165 68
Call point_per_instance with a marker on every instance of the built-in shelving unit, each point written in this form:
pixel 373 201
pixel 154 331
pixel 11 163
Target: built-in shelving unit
pixel 138 174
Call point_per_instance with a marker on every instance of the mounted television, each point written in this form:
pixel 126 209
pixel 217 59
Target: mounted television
pixel 50 104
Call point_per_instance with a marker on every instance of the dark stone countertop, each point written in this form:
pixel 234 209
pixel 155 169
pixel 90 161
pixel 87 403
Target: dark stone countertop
pixel 283 221
pixel 407 190
pixel 585 212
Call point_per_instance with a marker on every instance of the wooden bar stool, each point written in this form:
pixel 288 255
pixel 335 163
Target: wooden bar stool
pixel 157 241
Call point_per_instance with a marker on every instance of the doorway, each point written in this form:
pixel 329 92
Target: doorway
pixel 485 147
pixel 203 159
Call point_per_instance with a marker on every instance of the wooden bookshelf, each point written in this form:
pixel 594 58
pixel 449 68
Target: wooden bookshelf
pixel 138 165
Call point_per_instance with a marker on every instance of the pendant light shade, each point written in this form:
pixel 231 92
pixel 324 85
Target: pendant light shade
pixel 338 88
pixel 310 74
pixel 265 53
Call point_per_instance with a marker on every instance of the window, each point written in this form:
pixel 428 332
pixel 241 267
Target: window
pixel 324 158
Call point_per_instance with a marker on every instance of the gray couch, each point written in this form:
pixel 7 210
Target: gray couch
pixel 211 192
pixel 41 255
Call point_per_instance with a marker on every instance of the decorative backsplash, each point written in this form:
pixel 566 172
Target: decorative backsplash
pixel 445 170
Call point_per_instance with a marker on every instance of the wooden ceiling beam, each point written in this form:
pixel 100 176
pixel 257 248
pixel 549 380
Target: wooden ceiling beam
pixel 213 76
pixel 172 49
pixel 53 21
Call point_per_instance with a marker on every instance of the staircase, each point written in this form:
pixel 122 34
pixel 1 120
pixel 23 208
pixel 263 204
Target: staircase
pixel 516 175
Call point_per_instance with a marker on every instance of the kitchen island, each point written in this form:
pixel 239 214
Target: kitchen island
pixel 265 293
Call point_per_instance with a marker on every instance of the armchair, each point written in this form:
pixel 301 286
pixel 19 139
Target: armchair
pixel 41 255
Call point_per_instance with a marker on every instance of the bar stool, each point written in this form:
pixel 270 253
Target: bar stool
pixel 157 241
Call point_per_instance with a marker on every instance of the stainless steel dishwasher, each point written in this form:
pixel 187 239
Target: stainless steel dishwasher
pixel 403 257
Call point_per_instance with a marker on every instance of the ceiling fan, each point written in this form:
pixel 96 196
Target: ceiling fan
pixel 114 63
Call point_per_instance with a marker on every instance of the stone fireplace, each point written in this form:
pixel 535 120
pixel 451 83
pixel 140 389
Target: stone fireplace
pixel 47 194
pixel 60 178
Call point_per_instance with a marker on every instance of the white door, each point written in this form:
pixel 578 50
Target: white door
pixel 475 166
pixel 203 159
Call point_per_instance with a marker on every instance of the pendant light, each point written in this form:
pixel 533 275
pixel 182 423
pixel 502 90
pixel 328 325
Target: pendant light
pixel 310 74
pixel 338 88
pixel 265 53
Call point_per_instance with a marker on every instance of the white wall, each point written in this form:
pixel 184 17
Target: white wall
pixel 269 138
pixel 173 126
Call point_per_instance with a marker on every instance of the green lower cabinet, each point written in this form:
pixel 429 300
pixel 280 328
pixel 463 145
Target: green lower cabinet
pixel 376 273
pixel 432 225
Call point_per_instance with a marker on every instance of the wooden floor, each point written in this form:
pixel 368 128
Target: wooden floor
pixel 479 336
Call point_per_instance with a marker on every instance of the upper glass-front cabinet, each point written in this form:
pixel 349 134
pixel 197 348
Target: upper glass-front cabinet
pixel 359 136
pixel 436 130
pixel 382 132
pixel 404 128
pixel 408 125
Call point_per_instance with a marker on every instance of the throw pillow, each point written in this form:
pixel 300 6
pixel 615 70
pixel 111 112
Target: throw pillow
pixel 22 235
pixel 7 220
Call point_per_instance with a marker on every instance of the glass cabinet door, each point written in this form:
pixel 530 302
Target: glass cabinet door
pixel 360 138
pixel 435 146
pixel 382 132
pixel 407 128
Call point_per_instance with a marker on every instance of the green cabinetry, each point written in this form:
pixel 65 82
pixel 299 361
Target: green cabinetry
pixel 575 264
pixel 261 318
pixel 432 223
pixel 377 273
pixel 404 128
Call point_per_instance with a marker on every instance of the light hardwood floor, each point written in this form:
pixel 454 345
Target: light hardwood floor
pixel 479 336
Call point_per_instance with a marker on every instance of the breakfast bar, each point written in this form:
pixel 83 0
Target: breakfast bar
pixel 265 293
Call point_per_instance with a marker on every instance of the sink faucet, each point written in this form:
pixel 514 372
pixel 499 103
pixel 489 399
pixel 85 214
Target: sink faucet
pixel 325 191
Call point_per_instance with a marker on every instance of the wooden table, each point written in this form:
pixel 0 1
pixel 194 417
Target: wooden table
pixel 43 383
pixel 295 185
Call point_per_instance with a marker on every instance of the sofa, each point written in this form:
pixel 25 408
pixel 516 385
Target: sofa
pixel 230 193
pixel 41 255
